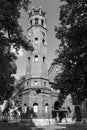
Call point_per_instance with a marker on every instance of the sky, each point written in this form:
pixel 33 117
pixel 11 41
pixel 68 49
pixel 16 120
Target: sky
pixel 52 14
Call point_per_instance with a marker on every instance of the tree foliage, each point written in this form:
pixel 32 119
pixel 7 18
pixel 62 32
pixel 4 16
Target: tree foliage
pixel 19 87
pixel 72 52
pixel 11 34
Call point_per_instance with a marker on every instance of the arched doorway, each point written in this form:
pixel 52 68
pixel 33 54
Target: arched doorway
pixel 55 110
pixel 56 105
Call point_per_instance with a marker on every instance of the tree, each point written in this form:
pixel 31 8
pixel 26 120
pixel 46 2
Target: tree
pixel 19 87
pixel 11 34
pixel 72 52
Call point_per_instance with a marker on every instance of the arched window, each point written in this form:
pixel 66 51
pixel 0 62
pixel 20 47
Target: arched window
pixel 36 38
pixel 36 58
pixel 27 83
pixel 35 83
pixel 46 107
pixel 43 34
pixel 44 83
pixel 29 59
pixel 44 59
pixel 25 108
pixel 35 107
pixel 31 22
pixel 43 41
pixel 42 22
pixel 36 21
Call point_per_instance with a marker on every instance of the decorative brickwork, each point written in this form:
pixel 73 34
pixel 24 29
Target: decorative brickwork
pixel 37 93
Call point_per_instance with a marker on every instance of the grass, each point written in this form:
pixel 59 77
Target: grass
pixel 16 126
pixel 76 127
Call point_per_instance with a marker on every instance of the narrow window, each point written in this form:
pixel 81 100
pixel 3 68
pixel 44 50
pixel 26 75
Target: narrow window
pixel 35 107
pixel 29 59
pixel 44 83
pixel 42 22
pixel 43 34
pixel 36 21
pixel 27 83
pixel 46 107
pixel 31 22
pixel 25 108
pixel 43 59
pixel 43 41
pixel 36 58
pixel 35 83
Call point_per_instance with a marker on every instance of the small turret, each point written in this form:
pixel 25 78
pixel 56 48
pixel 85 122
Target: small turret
pixel 37 17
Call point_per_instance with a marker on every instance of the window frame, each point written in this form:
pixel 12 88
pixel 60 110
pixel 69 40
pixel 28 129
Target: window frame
pixel 36 21
pixel 36 58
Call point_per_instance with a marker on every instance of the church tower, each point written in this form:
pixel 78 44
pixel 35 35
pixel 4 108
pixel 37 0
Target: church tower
pixel 37 93
pixel 37 60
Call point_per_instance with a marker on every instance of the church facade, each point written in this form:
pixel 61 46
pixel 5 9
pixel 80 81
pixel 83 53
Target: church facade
pixel 37 93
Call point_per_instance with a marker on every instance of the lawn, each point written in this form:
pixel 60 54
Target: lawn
pixel 15 126
pixel 7 126
pixel 76 127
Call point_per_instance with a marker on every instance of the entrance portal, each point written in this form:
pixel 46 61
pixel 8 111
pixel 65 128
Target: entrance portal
pixel 56 105
pixel 56 109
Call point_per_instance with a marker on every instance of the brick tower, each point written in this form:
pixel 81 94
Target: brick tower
pixel 37 93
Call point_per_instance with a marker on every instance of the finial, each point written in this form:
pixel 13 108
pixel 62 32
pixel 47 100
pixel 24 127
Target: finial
pixel 33 10
pixel 40 7
pixel 36 12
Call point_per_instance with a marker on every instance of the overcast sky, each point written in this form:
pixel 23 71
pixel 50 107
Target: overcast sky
pixel 52 14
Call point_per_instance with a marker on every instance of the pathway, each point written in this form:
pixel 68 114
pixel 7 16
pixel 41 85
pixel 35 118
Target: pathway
pixel 53 127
